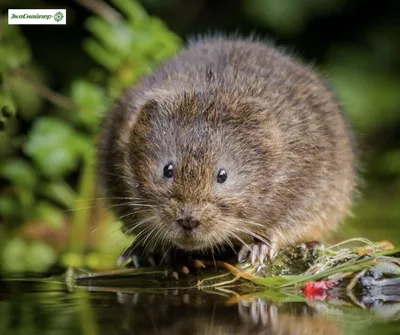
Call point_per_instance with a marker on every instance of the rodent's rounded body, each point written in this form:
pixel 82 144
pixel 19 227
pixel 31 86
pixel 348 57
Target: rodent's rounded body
pixel 237 106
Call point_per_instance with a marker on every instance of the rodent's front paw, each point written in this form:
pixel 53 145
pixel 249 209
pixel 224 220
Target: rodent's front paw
pixel 258 251
pixel 174 265
pixel 139 257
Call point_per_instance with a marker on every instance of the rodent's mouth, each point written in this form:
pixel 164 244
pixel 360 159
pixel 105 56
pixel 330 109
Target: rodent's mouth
pixel 191 234
pixel 191 242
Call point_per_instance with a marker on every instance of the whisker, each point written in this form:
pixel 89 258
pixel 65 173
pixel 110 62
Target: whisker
pixel 109 198
pixel 132 227
pixel 165 240
pixel 230 244
pixel 109 232
pixel 249 232
pixel 250 222
pixel 129 246
pixel 145 245
pixel 137 241
pixel 133 213
pixel 137 204
pixel 165 254
pixel 140 223
pixel 240 239
pixel 212 255
pixel 157 237
pixel 129 203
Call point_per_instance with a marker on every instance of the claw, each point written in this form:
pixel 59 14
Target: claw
pixel 133 253
pixel 121 260
pixel 255 252
pixel 258 253
pixel 263 253
pixel 174 263
pixel 168 273
pixel 135 261
pixel 139 257
pixel 175 275
pixel 243 253
pixel 273 251
pixel 151 261
pixel 125 256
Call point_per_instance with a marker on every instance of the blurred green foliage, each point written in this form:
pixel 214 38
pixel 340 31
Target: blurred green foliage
pixel 52 102
pixel 276 13
pixel 47 169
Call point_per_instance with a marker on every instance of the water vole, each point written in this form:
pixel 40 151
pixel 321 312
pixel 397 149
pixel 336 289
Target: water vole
pixel 230 142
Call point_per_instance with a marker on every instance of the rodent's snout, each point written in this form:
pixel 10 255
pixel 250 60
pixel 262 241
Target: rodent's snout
pixel 188 222
pixel 189 225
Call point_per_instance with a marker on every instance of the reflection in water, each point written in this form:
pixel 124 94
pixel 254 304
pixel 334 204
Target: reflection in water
pixel 47 307
pixel 192 314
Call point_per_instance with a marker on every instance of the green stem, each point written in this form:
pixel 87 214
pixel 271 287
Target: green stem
pixel 88 320
pixel 80 217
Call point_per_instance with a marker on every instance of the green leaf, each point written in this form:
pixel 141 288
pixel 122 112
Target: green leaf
pixel 132 9
pixel 7 110
pixel 88 96
pixel 23 181
pixel 20 255
pixel 7 106
pixel 101 55
pixel 39 257
pixel 14 49
pixel 19 172
pixel 278 281
pixel 130 48
pixel 50 214
pixel 92 102
pixel 54 146
pixel 279 296
pixel 9 206
pixel 13 255
pixel 59 191
pixel 285 281
pixel 114 36
pixel 27 99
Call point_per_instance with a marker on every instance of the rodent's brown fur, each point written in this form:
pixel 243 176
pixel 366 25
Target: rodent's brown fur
pixel 236 104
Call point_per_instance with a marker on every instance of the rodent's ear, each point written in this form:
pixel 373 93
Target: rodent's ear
pixel 143 112
pixel 142 105
pixel 147 108
pixel 146 104
pixel 133 104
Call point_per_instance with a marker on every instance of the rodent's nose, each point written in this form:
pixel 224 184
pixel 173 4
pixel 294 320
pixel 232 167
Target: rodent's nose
pixel 188 223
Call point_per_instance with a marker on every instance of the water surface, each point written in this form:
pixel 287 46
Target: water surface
pixel 47 306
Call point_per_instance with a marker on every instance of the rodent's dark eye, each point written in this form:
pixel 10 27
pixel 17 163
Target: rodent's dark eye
pixel 222 176
pixel 168 170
